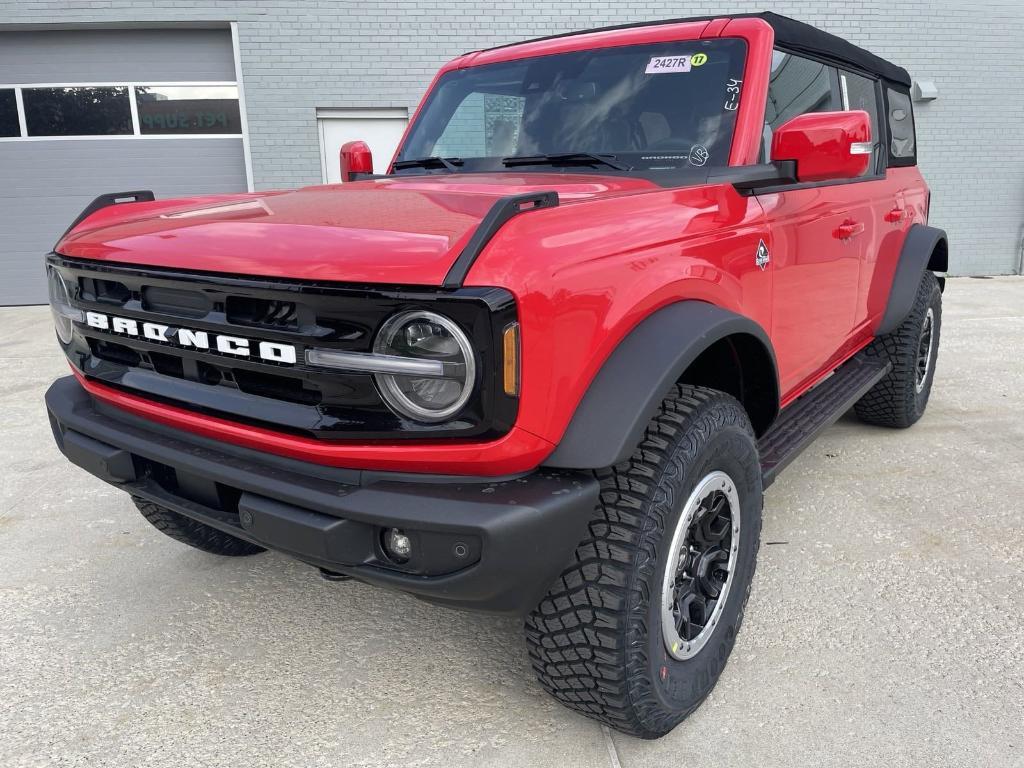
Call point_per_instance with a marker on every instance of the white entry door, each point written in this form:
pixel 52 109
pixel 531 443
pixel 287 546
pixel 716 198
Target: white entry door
pixel 382 129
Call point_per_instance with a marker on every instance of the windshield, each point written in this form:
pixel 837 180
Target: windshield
pixel 648 108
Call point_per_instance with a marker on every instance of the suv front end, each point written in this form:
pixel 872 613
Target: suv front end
pixel 168 366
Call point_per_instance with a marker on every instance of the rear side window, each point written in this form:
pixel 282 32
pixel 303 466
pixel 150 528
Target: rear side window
pixel 902 141
pixel 859 92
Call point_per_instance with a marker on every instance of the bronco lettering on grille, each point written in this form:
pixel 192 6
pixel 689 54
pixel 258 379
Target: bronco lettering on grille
pixel 270 351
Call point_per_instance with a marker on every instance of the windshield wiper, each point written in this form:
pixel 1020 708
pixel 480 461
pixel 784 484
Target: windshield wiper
pixel 566 158
pixel 448 163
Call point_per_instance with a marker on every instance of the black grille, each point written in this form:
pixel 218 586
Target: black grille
pixel 114 353
pixel 103 291
pixel 277 387
pixel 168 365
pixel 267 313
pixel 290 397
pixel 175 301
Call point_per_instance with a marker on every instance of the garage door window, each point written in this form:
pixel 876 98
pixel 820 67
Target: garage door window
pixel 180 109
pixel 78 111
pixel 119 110
pixel 9 114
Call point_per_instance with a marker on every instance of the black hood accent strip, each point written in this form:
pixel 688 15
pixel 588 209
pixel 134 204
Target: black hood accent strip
pixel 103 201
pixel 503 210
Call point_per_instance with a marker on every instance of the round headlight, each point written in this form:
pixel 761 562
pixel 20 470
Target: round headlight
pixel 426 336
pixel 60 305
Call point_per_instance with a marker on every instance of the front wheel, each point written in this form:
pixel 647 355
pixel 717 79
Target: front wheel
pixel 637 630
pixel 195 534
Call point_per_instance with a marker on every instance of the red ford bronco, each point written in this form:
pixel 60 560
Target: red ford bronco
pixel 612 283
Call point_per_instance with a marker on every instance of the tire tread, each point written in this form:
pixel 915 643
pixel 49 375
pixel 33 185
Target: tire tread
pixel 195 534
pixel 586 639
pixel 893 401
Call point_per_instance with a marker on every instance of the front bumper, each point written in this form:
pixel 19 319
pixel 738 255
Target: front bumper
pixel 478 543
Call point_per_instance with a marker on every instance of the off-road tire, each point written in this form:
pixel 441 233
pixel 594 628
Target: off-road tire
pixel 197 535
pixel 895 400
pixel 596 640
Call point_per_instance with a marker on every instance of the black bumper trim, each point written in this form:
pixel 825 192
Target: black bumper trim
pixel 526 528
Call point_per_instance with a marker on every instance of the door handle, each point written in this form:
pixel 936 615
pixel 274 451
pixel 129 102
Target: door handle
pixel 848 229
pixel 895 216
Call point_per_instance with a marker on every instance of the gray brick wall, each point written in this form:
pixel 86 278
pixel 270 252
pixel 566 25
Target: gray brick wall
pixel 298 55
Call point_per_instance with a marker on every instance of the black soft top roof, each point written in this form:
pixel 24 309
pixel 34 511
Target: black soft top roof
pixel 792 35
pixel 803 38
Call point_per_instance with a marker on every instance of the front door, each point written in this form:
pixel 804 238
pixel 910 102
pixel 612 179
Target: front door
pixel 820 236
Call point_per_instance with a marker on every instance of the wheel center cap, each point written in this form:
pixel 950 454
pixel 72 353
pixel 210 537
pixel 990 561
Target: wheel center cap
pixel 712 571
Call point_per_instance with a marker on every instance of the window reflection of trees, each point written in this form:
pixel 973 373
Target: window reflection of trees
pixel 77 111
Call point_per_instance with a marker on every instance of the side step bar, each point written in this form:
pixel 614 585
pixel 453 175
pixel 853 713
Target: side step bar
pixel 808 416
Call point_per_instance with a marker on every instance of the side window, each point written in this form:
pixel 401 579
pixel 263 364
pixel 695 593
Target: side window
pixel 796 86
pixel 860 93
pixel 902 142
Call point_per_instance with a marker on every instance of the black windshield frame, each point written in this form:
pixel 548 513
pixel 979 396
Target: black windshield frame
pixel 550 104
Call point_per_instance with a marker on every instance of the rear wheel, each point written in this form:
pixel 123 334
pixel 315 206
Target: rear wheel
pixel 188 531
pixel 899 399
pixel 637 630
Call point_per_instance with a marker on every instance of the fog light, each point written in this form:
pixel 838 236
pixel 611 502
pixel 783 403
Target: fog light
pixel 397 545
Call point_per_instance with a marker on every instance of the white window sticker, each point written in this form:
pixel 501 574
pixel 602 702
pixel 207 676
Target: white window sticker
pixel 661 64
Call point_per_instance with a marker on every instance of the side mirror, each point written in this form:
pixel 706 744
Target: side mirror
pixel 825 145
pixel 355 158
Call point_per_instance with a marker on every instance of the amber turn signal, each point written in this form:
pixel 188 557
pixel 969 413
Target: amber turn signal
pixel 510 347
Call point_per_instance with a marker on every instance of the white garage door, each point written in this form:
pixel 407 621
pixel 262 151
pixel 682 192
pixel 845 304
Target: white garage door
pixel 83 113
pixel 381 129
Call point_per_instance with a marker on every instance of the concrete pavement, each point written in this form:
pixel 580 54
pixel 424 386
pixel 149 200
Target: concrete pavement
pixel 886 625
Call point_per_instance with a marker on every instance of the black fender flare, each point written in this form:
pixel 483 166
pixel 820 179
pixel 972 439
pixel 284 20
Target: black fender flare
pixel 924 248
pixel 625 394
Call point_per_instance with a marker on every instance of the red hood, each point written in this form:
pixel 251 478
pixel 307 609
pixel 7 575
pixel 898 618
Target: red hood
pixel 406 231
